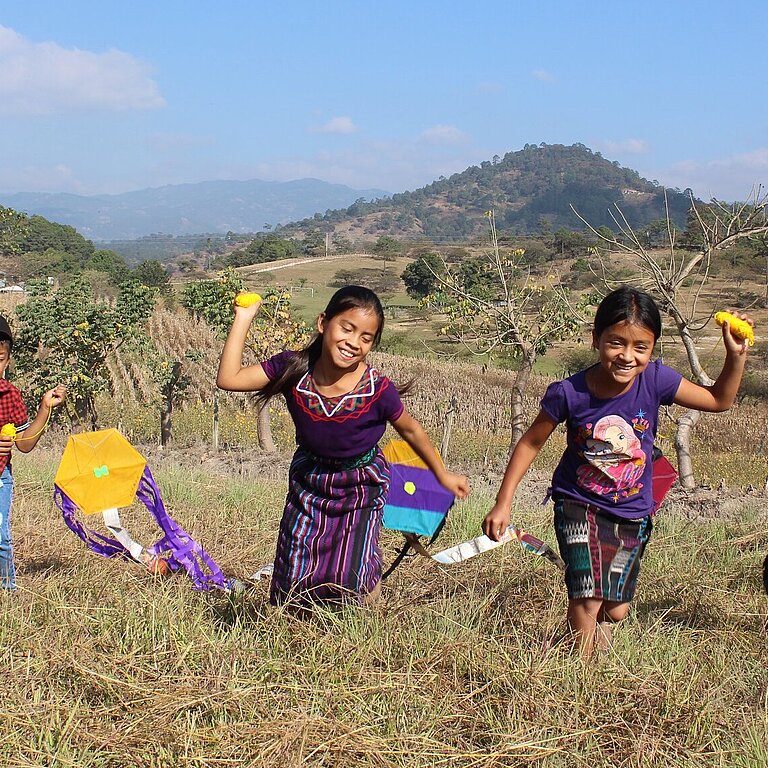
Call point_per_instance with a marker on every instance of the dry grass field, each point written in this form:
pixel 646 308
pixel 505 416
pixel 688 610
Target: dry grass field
pixel 103 665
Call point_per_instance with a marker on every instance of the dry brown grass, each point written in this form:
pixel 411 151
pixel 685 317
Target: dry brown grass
pixel 104 665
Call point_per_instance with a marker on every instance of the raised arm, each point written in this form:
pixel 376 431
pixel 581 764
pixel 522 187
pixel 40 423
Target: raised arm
pixel 232 374
pixel 527 449
pixel 53 398
pixel 413 434
pixel 720 395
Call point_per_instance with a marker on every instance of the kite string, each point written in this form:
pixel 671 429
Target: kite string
pixel 25 436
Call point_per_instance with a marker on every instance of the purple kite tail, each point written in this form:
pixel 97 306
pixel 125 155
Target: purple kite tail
pixel 105 546
pixel 178 547
pixel 183 550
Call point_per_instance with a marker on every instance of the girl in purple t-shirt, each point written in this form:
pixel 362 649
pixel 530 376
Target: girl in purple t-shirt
pixel 327 548
pixel 602 486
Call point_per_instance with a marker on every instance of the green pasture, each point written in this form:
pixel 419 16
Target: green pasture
pixel 311 280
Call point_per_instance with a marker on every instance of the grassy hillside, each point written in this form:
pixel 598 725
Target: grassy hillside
pixel 106 666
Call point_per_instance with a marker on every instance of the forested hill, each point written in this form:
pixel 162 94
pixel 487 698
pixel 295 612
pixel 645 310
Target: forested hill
pixel 523 188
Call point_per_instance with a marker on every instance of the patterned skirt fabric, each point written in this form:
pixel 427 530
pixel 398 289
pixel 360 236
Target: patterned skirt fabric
pixel 328 544
pixel 602 552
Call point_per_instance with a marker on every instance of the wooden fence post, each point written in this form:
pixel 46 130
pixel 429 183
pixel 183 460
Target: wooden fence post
pixel 447 427
pixel 216 420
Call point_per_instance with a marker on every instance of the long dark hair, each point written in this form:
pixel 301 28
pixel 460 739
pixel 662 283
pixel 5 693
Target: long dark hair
pixel 631 305
pixel 349 297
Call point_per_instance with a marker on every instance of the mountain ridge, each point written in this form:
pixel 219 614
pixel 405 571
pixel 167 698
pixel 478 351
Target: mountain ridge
pixel 536 187
pixel 183 209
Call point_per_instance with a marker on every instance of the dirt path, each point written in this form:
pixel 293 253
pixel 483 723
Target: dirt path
pixel 285 264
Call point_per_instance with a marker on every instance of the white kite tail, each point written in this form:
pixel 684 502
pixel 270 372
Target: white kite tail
pixel 473 547
pixel 115 526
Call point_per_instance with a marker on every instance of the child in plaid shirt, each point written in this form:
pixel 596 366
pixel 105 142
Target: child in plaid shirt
pixel 14 412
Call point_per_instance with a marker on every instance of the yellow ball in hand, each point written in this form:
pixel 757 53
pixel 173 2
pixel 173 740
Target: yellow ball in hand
pixel 741 329
pixel 8 430
pixel 247 299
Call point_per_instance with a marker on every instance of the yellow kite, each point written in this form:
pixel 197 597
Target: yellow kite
pixel 100 470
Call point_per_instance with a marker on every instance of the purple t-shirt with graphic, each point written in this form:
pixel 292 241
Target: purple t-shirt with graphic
pixel 608 457
pixel 338 427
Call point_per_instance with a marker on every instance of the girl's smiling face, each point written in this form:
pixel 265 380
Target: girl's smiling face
pixel 624 351
pixel 348 336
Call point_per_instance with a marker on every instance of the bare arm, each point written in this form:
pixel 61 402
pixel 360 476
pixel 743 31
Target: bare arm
pixel 720 395
pixel 497 520
pixel 232 374
pixel 413 434
pixel 51 399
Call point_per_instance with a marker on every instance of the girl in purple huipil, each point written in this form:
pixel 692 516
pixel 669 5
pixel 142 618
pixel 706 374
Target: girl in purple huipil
pixel 327 547
pixel 602 486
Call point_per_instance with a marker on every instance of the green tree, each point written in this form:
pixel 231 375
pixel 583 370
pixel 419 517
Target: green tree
pixel 152 274
pixel 341 243
pixel 66 336
pixel 111 263
pixel 13 229
pixel 135 302
pixel 421 276
pixel 212 300
pixel 386 248
pixel 478 277
pixel 272 248
pixel 42 235
pixel 273 330
pixel 314 243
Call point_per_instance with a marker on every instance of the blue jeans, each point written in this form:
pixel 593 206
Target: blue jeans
pixel 7 569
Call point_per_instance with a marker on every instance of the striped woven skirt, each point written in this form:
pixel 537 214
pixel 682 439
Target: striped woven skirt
pixel 602 552
pixel 328 544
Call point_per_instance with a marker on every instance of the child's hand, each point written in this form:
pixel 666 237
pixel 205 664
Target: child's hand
pixel 247 305
pixel 55 397
pixel 736 344
pixel 6 444
pixel 496 522
pixel 458 485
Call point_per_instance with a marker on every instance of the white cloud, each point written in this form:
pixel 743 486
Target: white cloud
pixel 443 134
pixel 728 178
pixel 543 75
pixel 34 178
pixel 44 78
pixel 336 125
pixel 623 147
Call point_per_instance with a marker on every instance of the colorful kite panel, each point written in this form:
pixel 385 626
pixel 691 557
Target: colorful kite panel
pixel 416 502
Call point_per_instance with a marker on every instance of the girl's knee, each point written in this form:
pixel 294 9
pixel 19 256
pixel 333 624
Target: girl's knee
pixel 615 612
pixel 585 606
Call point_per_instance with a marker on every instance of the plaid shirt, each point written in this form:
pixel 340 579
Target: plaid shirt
pixel 12 411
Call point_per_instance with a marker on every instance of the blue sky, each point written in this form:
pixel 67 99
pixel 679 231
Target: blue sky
pixel 106 96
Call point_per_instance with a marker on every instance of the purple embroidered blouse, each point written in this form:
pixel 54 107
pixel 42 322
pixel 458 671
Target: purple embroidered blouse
pixel 608 457
pixel 338 427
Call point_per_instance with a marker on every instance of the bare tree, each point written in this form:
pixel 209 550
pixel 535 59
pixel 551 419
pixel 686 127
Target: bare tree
pixel 676 278
pixel 500 306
